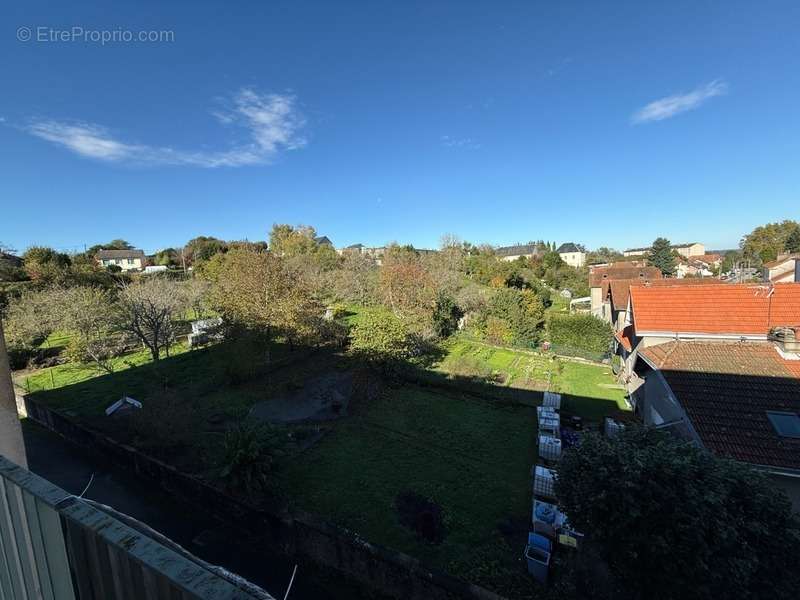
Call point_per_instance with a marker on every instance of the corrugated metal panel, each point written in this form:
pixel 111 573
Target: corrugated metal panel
pixel 54 546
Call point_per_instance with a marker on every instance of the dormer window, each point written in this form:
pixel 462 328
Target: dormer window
pixel 786 424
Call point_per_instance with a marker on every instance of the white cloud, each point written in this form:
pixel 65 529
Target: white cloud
pixel 675 105
pixel 451 142
pixel 271 121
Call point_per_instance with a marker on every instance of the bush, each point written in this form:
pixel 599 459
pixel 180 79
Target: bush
pixel 445 316
pixel 584 332
pixel 381 337
pixel 513 317
pixel 247 458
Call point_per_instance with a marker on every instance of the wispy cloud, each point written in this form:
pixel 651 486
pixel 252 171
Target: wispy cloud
pixel 451 142
pixel 679 103
pixel 272 123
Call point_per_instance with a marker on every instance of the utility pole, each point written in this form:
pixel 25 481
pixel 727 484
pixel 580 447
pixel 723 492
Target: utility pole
pixel 12 446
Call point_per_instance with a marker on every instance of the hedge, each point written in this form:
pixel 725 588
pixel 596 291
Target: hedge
pixel 580 331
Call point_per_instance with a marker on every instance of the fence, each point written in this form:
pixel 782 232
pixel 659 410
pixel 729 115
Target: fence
pixel 55 546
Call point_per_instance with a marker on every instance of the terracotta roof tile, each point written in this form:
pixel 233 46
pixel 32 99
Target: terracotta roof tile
pixel 726 389
pixel 616 271
pixel 625 337
pixel 742 309
pixel 620 287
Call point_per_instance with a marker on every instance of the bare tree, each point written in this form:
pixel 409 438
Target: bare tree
pixel 147 308
pixel 88 313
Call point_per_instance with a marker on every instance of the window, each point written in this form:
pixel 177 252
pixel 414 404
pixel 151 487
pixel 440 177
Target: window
pixel 130 261
pixel 785 423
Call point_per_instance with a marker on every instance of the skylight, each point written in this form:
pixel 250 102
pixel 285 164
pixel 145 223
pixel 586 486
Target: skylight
pixel 785 423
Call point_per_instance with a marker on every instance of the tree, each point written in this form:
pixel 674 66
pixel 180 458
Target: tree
pixel 45 264
pixel 258 291
pixel 673 521
pixel 88 314
pixel 661 255
pixel 404 284
pixel 202 248
pixel 603 255
pixel 381 337
pixel 167 257
pixel 445 316
pixel 792 243
pixel 765 242
pixel 356 280
pixel 147 309
pixel 522 311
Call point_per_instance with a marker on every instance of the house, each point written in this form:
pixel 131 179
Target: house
pixel 572 254
pixel 719 365
pixel 601 277
pixel 687 250
pixel 323 240
pixel 783 270
pixel 692 267
pixel 619 293
pixel 510 253
pixel 739 400
pixel 127 260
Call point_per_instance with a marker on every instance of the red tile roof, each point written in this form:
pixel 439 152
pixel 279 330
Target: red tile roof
pixel 621 271
pixel 620 287
pixel 625 337
pixel 741 309
pixel 726 389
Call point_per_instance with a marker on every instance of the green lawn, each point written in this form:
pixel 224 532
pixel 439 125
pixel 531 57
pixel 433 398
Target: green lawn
pixel 470 457
pixel 468 454
pixel 590 390
pixel 70 374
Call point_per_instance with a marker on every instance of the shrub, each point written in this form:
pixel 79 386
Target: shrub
pixel 497 331
pixel 584 332
pixel 247 460
pixel 382 337
pixel 445 316
pixel 521 312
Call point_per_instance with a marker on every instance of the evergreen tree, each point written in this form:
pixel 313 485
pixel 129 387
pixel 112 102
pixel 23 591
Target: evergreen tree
pixel 661 256
pixel 793 241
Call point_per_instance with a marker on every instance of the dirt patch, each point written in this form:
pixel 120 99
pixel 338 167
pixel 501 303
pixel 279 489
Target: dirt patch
pixel 421 516
pixel 320 398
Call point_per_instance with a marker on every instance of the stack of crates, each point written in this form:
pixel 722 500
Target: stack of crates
pixel 550 427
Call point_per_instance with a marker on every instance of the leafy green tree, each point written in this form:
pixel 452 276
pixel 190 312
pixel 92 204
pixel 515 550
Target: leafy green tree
pixel 673 521
pixel 381 337
pixel 765 242
pixel 793 241
pixel 202 248
pixel 661 255
pixel 521 310
pixel 445 316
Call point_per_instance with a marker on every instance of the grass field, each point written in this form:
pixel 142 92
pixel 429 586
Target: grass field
pixel 472 458
pixel 466 454
pixel 591 390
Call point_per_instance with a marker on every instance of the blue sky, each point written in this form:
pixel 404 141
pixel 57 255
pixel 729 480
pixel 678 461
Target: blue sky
pixel 600 123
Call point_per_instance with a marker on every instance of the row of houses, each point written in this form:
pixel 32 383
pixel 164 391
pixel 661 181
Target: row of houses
pixel 715 363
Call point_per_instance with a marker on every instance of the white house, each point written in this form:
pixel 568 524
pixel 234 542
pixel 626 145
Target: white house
pixel 688 250
pixel 572 254
pixel 127 260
